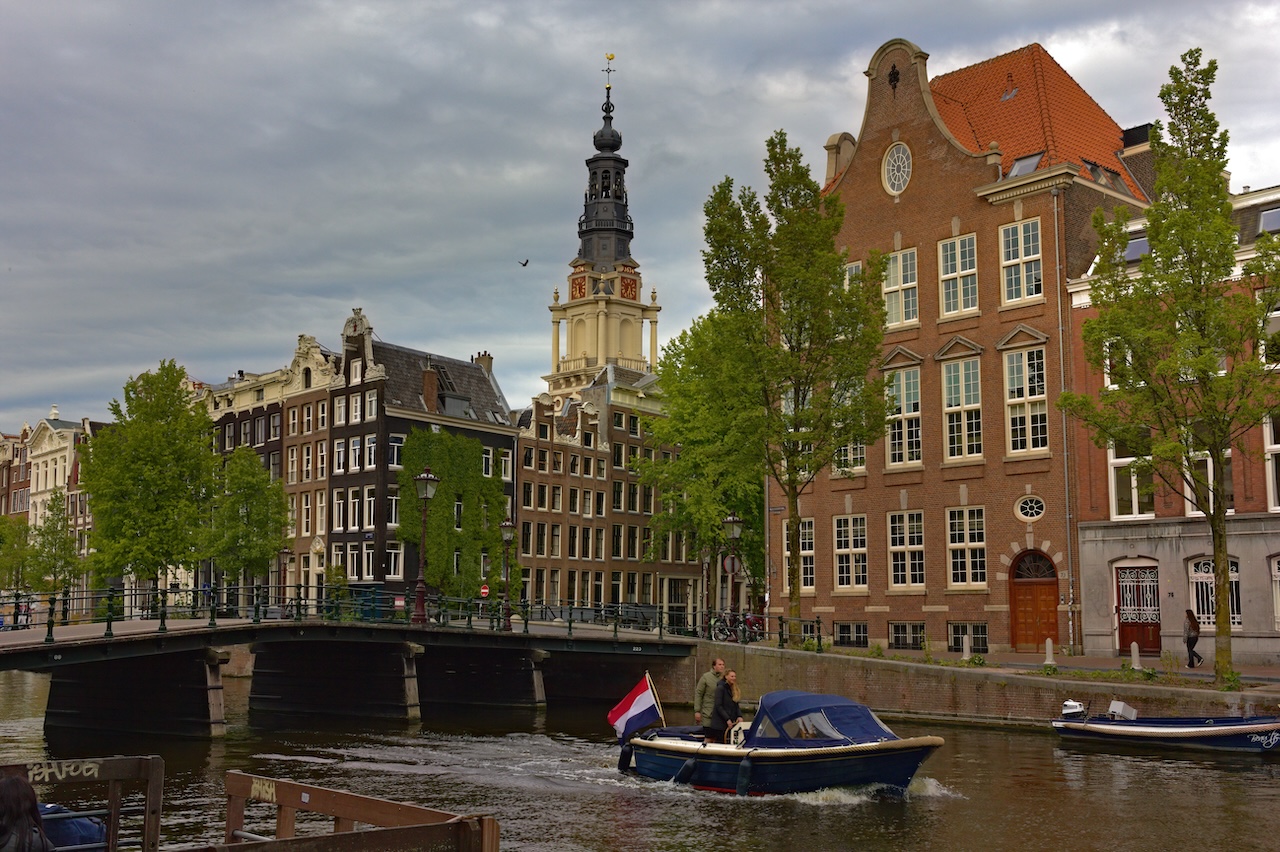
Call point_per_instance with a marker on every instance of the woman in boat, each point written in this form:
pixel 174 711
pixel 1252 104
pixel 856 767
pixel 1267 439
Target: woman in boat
pixel 1191 635
pixel 726 713
pixel 21 828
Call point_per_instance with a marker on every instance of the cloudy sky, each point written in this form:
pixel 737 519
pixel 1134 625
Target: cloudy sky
pixel 203 181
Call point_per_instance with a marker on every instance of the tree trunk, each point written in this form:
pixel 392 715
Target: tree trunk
pixel 794 635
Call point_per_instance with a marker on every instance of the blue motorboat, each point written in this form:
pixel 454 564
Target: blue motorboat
pixel 1121 725
pixel 798 742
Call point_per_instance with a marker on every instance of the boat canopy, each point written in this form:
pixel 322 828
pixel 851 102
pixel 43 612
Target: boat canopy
pixel 793 719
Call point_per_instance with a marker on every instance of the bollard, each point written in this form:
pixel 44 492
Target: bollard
pixel 164 610
pixel 111 612
pixel 1133 652
pixel 52 616
pixel 966 648
pixel 1048 652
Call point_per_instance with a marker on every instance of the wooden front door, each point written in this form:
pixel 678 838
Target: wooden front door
pixel 1035 614
pixel 1138 607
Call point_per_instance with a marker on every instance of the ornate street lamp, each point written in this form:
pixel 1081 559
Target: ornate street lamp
pixel 426 483
pixel 508 533
pixel 733 531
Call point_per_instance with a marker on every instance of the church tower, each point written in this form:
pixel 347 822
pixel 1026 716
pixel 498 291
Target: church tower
pixel 603 319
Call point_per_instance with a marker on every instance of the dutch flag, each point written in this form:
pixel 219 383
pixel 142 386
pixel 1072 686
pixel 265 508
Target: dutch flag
pixel 638 709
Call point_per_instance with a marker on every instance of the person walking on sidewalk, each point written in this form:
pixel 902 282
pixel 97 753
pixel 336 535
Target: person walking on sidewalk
pixel 1191 635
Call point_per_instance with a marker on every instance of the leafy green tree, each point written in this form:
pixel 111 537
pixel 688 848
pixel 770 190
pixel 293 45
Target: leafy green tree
pixel 57 564
pixel 150 477
pixel 715 469
pixel 458 461
pixel 1182 341
pixel 803 334
pixel 16 563
pixel 250 520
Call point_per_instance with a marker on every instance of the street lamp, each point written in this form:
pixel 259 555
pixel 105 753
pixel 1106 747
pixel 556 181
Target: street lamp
pixel 733 531
pixel 508 533
pixel 426 483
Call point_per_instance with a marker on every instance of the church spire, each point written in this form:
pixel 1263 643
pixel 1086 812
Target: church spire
pixel 605 229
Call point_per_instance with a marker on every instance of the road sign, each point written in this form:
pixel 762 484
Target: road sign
pixel 484 591
pixel 732 563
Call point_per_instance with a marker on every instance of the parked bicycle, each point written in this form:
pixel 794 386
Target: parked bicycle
pixel 732 626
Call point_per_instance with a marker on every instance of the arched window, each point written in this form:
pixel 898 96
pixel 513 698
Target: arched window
pixel 1034 566
pixel 604 184
pixel 306 377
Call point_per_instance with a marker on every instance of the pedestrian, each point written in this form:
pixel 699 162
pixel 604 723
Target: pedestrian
pixel 21 828
pixel 727 713
pixel 704 698
pixel 1191 635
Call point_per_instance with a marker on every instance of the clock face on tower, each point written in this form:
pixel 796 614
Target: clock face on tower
pixel 628 288
pixel 578 288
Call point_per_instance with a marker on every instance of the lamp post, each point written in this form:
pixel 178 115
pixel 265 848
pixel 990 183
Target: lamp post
pixel 508 533
pixel 426 483
pixel 733 531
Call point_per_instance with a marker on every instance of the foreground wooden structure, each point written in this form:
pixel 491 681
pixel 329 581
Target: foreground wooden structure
pixel 119 775
pixel 391 825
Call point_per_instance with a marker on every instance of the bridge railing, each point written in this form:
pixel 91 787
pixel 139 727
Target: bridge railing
pixel 258 603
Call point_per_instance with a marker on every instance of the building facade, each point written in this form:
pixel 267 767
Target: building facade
pixel 978 186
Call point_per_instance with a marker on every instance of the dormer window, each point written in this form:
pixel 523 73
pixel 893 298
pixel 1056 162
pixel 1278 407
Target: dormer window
pixel 1138 246
pixel 1025 165
pixel 1269 221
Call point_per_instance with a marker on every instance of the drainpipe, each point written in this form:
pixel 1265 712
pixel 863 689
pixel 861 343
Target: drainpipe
pixel 1066 440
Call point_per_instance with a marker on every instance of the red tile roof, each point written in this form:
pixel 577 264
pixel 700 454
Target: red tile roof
pixel 1027 103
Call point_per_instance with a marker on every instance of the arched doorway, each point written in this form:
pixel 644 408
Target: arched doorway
pixel 1138 605
pixel 1035 601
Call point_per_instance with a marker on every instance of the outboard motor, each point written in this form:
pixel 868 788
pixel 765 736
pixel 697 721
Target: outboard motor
pixel 1073 710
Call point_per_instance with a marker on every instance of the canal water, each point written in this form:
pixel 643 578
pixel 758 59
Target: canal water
pixel 551 780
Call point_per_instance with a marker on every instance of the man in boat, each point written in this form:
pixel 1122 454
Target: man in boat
pixel 704 698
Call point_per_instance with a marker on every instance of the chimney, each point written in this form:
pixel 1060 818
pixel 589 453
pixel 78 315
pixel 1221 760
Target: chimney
pixel 485 360
pixel 431 389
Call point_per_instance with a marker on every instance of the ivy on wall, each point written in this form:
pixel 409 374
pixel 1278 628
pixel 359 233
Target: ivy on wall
pixel 458 461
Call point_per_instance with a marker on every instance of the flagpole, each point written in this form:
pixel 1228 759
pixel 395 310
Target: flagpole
pixel 656 699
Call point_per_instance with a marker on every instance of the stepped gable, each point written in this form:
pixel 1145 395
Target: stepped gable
pixel 1027 103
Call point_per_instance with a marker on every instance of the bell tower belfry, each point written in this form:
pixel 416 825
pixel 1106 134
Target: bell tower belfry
pixel 603 319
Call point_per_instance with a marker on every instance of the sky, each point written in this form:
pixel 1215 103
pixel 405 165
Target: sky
pixel 204 182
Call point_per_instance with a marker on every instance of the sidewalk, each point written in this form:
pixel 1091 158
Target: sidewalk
pixel 1066 662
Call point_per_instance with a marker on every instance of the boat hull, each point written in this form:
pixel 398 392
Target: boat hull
pixel 777 771
pixel 1255 734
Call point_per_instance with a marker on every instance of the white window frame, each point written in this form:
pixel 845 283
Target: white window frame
pixel 393 509
pixel 395 560
pixel 1026 401
pixel 1127 485
pixel 962 408
pixel 901 289
pixel 370 501
pixel 1202 592
pixel 1203 461
pixel 903 447
pixel 849 544
pixel 958 275
pixel 966 547
pixel 1021 270
pixel 906 550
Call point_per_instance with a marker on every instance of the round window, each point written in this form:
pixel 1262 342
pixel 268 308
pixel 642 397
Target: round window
pixel 1030 508
pixel 897 168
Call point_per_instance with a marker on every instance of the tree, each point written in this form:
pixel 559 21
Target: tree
pixel 463 518
pixel 1181 340
pixel 802 332
pixel 57 564
pixel 15 555
pixel 149 476
pixel 714 469
pixel 250 519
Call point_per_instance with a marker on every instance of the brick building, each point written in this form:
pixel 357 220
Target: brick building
pixel 979 186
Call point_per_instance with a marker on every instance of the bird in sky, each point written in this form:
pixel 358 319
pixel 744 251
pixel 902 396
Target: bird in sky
pixel 524 262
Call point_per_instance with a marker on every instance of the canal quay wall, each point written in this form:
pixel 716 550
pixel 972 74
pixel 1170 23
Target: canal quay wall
pixel 988 694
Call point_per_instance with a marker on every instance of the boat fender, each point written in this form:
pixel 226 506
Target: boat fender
pixel 624 759
pixel 744 775
pixel 685 772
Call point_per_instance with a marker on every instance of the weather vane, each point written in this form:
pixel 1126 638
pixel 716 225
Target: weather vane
pixel 608 70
